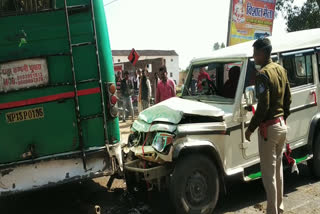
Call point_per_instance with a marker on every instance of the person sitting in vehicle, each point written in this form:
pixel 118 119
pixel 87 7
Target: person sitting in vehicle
pixel 202 79
pixel 230 86
pixel 300 70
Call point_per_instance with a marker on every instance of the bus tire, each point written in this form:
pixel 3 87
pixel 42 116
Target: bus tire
pixel 314 163
pixel 194 185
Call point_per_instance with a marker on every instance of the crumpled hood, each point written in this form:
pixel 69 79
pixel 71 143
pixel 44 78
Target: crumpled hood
pixel 173 109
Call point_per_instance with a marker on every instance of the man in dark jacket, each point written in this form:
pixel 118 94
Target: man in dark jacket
pixel 126 88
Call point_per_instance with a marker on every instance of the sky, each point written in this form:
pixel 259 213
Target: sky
pixel 190 27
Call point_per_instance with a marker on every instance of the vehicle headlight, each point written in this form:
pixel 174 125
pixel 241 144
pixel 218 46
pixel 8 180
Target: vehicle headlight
pixel 161 140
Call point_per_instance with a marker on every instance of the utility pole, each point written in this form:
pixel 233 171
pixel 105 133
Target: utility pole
pixel 229 22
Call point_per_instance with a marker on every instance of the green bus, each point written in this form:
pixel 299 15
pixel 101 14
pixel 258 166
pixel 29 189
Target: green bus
pixel 58 114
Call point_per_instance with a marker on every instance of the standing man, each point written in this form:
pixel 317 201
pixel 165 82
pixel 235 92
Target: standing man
pixel 135 82
pixel 193 85
pixel 156 81
pixel 166 87
pixel 145 90
pixel 139 72
pixel 118 93
pixel 274 99
pixel 126 87
pixel 118 82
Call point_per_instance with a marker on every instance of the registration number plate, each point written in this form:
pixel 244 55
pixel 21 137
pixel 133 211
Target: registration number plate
pixel 23 115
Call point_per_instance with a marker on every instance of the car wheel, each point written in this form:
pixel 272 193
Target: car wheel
pixel 314 163
pixel 129 177
pixel 133 180
pixel 194 185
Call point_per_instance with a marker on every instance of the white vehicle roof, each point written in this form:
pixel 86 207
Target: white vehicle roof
pixel 287 42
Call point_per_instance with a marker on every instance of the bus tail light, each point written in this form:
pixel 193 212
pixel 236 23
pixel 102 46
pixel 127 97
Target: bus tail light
pixel 112 99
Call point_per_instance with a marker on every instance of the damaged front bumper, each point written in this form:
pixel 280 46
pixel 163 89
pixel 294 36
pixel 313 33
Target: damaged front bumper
pixel 150 163
pixel 148 156
pixel 149 174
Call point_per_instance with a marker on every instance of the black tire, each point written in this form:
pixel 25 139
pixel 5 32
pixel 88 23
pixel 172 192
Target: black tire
pixel 314 163
pixel 130 181
pixel 129 176
pixel 194 185
pixel 133 182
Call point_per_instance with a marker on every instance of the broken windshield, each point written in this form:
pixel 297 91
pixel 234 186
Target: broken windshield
pixel 216 81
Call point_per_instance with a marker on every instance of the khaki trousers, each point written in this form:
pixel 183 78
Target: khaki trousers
pixel 271 166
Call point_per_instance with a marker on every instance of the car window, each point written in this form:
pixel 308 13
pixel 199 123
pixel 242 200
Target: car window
pixel 218 79
pixel 299 69
pixel 252 71
pixel 251 74
pixel 10 7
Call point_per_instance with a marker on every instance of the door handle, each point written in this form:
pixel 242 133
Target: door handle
pixel 313 92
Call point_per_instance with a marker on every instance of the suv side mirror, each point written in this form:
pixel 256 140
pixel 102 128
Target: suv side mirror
pixel 250 95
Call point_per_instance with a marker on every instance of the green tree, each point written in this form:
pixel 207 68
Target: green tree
pixel 222 45
pixel 216 46
pixel 300 18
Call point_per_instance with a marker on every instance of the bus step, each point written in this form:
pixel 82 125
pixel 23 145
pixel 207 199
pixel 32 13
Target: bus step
pixel 82 44
pixel 87 81
pixel 257 175
pixel 253 176
pixel 35 56
pixel 78 7
pixel 72 10
pixel 89 117
pixel 70 83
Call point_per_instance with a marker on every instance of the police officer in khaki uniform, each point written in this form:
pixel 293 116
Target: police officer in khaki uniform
pixel 274 99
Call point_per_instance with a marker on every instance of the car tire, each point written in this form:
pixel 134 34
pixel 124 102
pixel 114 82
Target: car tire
pixel 194 185
pixel 129 177
pixel 314 163
pixel 130 181
pixel 133 181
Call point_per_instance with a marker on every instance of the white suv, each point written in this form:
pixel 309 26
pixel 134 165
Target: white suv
pixel 192 144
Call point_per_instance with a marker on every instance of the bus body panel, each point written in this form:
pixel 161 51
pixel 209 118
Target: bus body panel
pixel 39 122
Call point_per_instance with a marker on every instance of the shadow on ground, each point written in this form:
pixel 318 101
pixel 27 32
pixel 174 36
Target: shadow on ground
pixel 241 195
pixel 80 198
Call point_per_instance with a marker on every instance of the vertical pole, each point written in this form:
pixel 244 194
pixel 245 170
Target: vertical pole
pixel 229 22
pixel 76 96
pixel 100 78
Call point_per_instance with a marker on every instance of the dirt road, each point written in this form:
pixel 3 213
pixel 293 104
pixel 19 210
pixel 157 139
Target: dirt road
pixel 302 195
